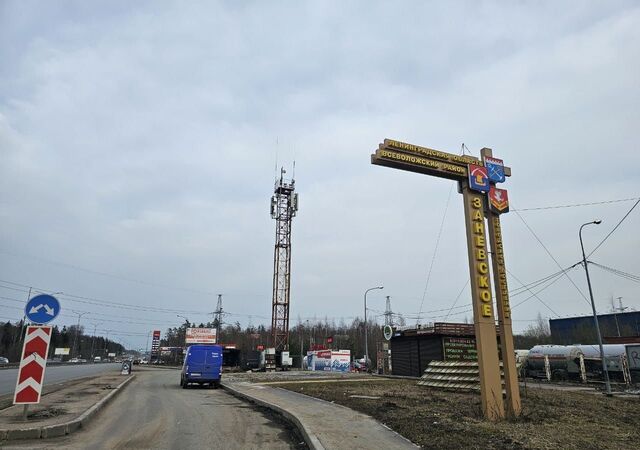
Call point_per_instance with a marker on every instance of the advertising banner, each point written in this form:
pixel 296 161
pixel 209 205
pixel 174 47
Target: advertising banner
pixel 61 351
pixel 200 336
pixel 341 361
pixel 323 360
pixel 459 349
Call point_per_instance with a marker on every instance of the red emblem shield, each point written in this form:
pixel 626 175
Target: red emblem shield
pixel 498 200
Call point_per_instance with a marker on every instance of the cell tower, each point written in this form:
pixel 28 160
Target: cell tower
pixel 284 205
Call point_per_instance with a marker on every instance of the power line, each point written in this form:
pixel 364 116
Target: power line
pixel 577 204
pixel 534 294
pixel 617 272
pixel 457 298
pixel 435 251
pixel 106 274
pixel 564 271
pixel 614 229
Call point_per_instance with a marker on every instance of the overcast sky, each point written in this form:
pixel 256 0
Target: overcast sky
pixel 138 142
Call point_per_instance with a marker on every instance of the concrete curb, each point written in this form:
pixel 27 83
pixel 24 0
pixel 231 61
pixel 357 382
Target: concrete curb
pixel 65 428
pixel 311 439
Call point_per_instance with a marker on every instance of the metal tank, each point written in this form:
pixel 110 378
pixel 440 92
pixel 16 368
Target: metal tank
pixel 564 361
pixel 612 354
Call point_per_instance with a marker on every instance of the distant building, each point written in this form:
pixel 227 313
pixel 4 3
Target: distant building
pixel 413 349
pixel 582 330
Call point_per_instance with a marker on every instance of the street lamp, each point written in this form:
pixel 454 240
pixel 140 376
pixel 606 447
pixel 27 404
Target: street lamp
pixel 93 338
pixel 186 320
pixel 366 343
pixel 75 339
pixel 593 306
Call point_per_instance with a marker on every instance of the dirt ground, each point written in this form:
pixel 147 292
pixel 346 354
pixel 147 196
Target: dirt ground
pixel 447 420
pixel 63 404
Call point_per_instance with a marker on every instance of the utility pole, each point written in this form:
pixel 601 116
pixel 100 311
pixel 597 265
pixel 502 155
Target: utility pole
pixel 20 334
pixel 75 339
pixel 593 307
pixel 93 339
pixel 388 315
pixel 616 310
pixel 218 317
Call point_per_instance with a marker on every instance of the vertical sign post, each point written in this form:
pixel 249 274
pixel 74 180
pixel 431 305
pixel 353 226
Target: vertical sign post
pixel 477 179
pixel 40 309
pixel 483 318
pixel 32 366
pixel 155 344
pixel 497 204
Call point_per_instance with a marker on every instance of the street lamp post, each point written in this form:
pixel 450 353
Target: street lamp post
pixel 93 339
pixel 593 306
pixel 366 341
pixel 75 339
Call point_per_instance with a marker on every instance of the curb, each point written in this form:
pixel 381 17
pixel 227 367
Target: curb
pixel 65 428
pixel 311 439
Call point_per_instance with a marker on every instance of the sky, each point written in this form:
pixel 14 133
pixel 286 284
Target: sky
pixel 139 144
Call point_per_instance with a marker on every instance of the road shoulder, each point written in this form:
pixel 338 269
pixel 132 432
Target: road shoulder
pixel 323 425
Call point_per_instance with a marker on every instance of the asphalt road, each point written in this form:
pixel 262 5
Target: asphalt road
pixel 56 374
pixel 155 412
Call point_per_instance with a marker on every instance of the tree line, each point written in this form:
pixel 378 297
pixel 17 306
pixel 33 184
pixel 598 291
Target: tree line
pixel 309 334
pixel 86 346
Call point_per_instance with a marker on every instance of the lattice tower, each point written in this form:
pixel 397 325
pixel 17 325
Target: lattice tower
pixel 284 205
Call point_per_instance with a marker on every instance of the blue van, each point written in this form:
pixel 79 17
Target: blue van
pixel 202 365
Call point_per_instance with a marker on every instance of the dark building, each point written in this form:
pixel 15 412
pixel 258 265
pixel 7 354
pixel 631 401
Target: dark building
pixel 582 330
pixel 413 349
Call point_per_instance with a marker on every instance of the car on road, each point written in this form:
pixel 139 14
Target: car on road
pixel 4 360
pixel 74 360
pixel 202 365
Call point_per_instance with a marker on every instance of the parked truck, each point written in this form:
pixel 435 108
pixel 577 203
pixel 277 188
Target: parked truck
pixel 202 365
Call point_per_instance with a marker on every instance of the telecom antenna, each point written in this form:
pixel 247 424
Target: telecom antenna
pixel 284 205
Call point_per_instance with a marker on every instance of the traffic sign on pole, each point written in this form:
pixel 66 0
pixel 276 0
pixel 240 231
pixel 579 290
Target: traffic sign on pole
pixel 32 365
pixel 42 308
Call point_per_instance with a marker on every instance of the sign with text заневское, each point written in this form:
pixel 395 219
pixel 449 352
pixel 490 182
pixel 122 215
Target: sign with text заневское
pixel 474 182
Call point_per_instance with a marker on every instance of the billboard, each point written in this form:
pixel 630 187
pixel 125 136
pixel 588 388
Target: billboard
pixel 329 360
pixel 323 360
pixel 61 351
pixel 200 336
pixel 341 361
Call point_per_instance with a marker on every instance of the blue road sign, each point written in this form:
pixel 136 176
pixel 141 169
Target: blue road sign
pixel 42 308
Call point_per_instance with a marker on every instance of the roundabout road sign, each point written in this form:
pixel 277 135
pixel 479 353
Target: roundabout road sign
pixel 42 308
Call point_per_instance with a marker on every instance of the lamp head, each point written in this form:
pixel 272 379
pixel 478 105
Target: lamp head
pixel 597 222
pixel 380 287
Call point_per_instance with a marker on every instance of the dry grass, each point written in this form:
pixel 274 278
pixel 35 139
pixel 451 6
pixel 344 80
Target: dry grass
pixel 447 420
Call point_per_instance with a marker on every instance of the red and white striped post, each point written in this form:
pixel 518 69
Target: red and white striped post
pixel 32 366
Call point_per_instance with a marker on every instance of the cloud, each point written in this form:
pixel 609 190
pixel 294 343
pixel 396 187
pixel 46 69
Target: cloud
pixel 141 140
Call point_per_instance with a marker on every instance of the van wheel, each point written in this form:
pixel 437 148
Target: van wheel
pixel 216 384
pixel 183 384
